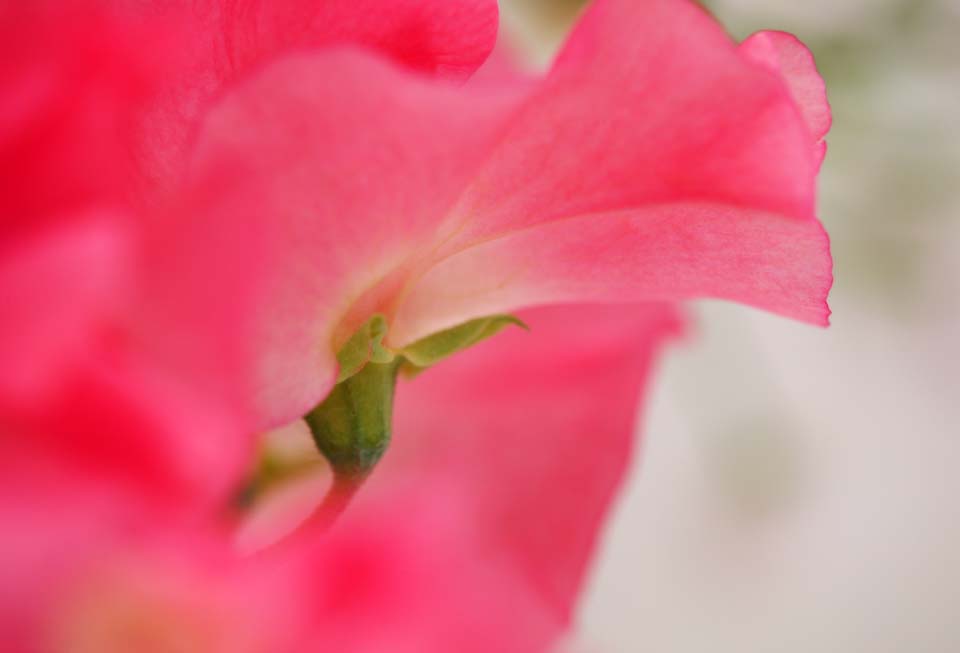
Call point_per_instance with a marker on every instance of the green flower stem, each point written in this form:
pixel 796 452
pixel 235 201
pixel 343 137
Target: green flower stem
pixel 336 500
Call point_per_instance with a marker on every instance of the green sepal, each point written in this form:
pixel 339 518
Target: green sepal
pixel 435 347
pixel 364 346
pixel 352 426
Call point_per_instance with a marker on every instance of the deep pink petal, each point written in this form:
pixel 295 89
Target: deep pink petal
pixel 58 287
pixel 111 423
pixel 653 140
pixel 449 38
pixel 539 426
pixel 350 163
pixel 74 80
pixel 122 350
pixel 407 570
pixel 83 568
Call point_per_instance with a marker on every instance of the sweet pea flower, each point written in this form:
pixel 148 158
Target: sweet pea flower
pixel 199 189
pixel 656 161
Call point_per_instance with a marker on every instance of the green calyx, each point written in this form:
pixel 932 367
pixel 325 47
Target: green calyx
pixel 352 426
pixel 431 350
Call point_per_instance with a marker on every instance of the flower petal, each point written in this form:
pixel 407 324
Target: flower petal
pixel 784 54
pixel 538 427
pixel 222 40
pixel 650 126
pixel 441 37
pixel 116 321
pixel 645 104
pixel 348 164
pixel 658 253
pixel 57 289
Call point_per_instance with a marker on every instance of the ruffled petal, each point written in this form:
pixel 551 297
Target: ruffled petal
pixel 655 162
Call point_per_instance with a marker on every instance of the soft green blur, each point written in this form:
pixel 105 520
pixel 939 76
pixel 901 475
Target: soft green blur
pixel 798 490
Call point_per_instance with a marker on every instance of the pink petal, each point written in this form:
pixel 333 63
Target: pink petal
pixel 347 164
pixel 671 252
pixel 651 125
pixel 449 38
pixel 112 424
pixel 539 427
pixel 220 41
pixel 116 320
pixel 784 54
pixel 86 566
pixel 74 79
pixel 58 287
pixel 406 570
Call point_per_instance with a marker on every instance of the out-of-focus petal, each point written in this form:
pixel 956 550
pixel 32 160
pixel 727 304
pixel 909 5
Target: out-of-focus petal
pixel 114 424
pixel 408 570
pixel 57 288
pixel 222 40
pixel 350 163
pixel 539 426
pixel 446 37
pixel 74 80
pixel 116 320
pixel 83 569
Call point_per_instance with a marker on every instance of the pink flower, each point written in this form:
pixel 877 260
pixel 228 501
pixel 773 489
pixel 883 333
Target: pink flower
pixel 656 161
pixel 192 186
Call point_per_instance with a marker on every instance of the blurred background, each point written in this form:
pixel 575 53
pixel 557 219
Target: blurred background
pixel 798 487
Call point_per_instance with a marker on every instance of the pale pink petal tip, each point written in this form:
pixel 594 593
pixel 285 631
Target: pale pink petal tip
pixel 786 55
